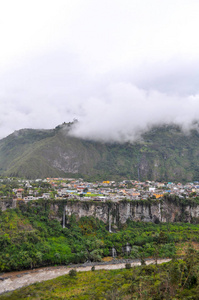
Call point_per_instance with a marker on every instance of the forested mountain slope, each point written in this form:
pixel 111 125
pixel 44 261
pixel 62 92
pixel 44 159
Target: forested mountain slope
pixel 163 153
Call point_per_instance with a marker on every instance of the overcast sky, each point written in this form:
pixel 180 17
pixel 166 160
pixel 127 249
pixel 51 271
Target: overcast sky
pixel 118 66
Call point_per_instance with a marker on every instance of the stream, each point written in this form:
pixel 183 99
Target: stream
pixel 15 280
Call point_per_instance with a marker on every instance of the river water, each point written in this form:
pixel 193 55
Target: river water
pixel 14 280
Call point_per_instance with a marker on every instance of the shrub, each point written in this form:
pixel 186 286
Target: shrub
pixel 127 265
pixel 143 263
pixel 72 273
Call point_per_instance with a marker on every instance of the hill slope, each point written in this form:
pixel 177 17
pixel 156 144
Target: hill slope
pixel 163 153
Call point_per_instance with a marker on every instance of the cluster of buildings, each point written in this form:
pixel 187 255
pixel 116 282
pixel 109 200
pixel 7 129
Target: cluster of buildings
pixel 70 188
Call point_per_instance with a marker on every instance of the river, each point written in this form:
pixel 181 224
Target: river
pixel 15 280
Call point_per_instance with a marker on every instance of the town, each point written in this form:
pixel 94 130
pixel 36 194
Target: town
pixel 78 189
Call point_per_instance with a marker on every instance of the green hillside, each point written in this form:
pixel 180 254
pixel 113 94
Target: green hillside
pixel 163 153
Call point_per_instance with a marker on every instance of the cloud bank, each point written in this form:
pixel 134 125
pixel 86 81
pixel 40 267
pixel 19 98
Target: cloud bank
pixel 128 111
pixel 116 106
pixel 119 68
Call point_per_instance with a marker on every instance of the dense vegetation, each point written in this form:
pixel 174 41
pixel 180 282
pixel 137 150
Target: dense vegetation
pixel 162 154
pixel 31 236
pixel 178 279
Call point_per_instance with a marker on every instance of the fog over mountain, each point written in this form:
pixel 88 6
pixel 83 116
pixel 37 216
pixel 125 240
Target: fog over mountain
pixel 117 67
pixel 126 111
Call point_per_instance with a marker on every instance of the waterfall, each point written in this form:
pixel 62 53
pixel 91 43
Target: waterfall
pixel 160 212
pixel 128 210
pixel 114 253
pixel 109 225
pixel 128 248
pixel 64 216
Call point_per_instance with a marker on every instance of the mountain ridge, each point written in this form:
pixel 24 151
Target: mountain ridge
pixel 163 153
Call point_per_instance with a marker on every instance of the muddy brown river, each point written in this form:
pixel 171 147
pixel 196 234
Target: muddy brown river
pixel 15 280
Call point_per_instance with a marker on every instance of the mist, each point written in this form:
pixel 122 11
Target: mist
pixel 119 68
pixel 117 106
pixel 129 111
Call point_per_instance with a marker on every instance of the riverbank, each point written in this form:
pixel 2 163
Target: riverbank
pixel 15 280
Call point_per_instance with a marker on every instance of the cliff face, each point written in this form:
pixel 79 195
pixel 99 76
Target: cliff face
pixel 116 213
pixel 5 204
pixel 119 213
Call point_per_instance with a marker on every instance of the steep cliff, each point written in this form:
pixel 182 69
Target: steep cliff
pixel 121 212
pixel 117 213
pixel 6 204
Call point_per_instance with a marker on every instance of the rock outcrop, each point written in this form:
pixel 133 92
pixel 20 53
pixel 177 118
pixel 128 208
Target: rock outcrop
pixel 5 204
pixel 119 213
pixel 116 213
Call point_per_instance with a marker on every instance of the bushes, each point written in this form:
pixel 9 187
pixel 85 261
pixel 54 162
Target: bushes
pixel 72 273
pixel 127 266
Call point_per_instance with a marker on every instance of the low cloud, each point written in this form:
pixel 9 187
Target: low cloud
pixel 119 68
pixel 113 106
pixel 128 111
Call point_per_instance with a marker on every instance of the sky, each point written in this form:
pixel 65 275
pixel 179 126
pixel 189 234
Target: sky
pixel 118 66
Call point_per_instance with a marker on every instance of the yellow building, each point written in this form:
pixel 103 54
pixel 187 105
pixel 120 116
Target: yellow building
pixel 158 195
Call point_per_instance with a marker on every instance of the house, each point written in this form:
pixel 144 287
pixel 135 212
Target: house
pixel 19 194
